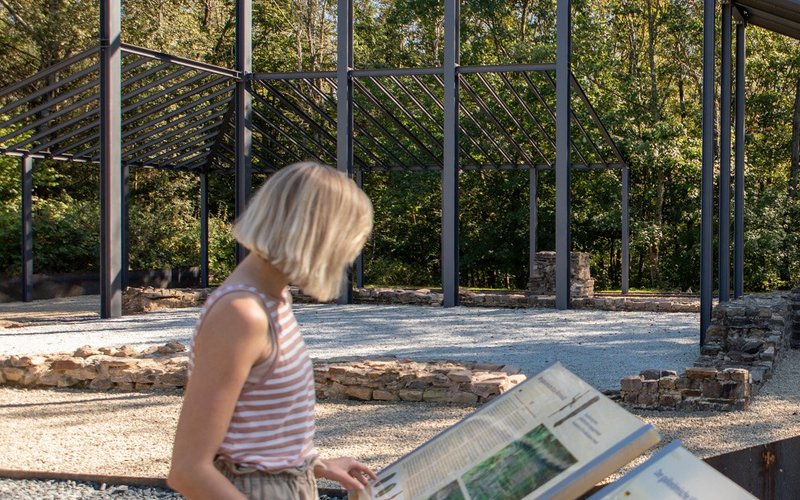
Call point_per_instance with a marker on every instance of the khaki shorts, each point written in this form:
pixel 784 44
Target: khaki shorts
pixel 297 483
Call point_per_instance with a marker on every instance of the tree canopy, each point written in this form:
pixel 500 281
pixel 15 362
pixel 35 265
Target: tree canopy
pixel 640 62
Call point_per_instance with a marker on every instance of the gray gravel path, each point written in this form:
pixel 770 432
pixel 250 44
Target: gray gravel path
pixel 599 346
pixel 130 434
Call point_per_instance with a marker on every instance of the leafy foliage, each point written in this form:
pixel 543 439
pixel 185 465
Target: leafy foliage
pixel 640 62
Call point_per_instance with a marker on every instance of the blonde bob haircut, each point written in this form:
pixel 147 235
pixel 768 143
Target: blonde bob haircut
pixel 310 221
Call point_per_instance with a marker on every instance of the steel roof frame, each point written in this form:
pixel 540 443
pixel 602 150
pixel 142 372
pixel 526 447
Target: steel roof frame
pixel 183 114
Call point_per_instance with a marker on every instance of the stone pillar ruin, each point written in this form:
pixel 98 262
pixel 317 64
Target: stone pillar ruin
pixel 543 275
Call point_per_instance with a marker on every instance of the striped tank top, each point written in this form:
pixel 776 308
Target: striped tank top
pixel 272 427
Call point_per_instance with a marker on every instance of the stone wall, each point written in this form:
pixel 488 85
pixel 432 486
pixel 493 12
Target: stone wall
pixel 746 338
pixel 750 333
pixel 123 368
pixel 696 389
pixel 543 275
pixel 165 367
pixel 138 300
pixel 392 379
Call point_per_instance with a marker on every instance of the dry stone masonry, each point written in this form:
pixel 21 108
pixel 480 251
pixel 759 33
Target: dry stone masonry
pixel 543 275
pixel 698 388
pixel 744 341
pixel 165 367
pixel 138 300
pixel 392 380
pixel 122 368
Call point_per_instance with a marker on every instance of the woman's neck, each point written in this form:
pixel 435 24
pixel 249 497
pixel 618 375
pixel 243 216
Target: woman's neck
pixel 260 273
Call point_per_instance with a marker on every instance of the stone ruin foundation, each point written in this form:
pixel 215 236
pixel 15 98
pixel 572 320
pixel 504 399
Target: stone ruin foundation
pixel 543 275
pixel 745 340
pixel 165 367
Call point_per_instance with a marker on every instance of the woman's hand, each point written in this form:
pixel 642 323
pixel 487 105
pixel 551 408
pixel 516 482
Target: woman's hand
pixel 345 470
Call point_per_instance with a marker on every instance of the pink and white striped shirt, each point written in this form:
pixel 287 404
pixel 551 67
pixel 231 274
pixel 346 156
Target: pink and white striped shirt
pixel 272 427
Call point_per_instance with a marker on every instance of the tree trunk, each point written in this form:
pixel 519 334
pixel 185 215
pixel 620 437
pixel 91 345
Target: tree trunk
pixel 795 169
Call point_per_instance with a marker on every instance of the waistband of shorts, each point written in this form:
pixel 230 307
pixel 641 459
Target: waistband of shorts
pixel 237 469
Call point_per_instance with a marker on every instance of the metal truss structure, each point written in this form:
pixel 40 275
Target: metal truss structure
pixel 780 16
pixel 120 107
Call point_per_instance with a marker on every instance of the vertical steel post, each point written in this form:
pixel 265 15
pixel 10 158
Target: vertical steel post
pixel 707 177
pixel 626 245
pixel 110 160
pixel 738 215
pixel 27 229
pixel 344 109
pixel 452 39
pixel 563 174
pixel 533 218
pixel 244 111
pixel 360 258
pixel 126 223
pixel 725 156
pixel 204 230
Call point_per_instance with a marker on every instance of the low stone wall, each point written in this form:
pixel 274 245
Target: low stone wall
pixel 750 333
pixel 406 380
pixel 543 275
pixel 745 340
pixel 165 367
pixel 123 368
pixel 137 300
pixel 696 389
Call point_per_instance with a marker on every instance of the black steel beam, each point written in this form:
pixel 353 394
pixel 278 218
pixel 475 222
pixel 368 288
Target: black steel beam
pixel 462 131
pixel 501 102
pixel 738 216
pixel 562 229
pixel 181 61
pixel 574 116
pixel 625 201
pixel 377 73
pixel 48 71
pixel 165 91
pixel 533 220
pixel 125 207
pixel 707 174
pixel 725 156
pixel 166 157
pixel 399 124
pixel 450 169
pixel 183 129
pixel 302 115
pixel 203 230
pixel 530 114
pixel 597 121
pixel 110 160
pixel 128 121
pixel 482 130
pixel 271 124
pixel 49 88
pixel 493 118
pixel 404 109
pixel 344 109
pixel 27 228
pixel 244 112
pixel 299 75
pixel 506 68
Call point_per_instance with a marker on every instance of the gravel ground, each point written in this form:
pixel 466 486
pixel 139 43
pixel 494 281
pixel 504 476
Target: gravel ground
pixel 599 346
pixel 130 433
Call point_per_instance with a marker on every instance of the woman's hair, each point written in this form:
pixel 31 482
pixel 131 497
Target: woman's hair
pixel 310 221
